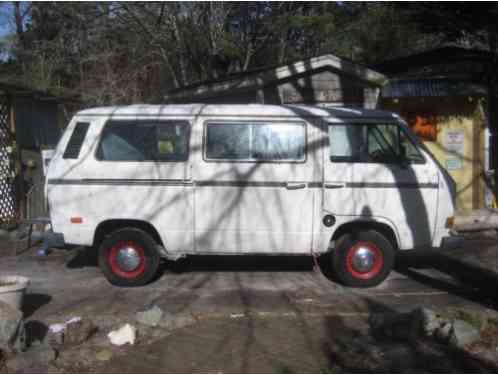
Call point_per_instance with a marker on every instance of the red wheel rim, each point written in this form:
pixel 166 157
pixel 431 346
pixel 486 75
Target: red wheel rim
pixel 115 264
pixel 378 260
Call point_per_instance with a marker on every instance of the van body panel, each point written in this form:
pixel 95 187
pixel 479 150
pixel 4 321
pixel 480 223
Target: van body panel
pixel 158 193
pixel 243 207
pixel 200 205
pixel 407 195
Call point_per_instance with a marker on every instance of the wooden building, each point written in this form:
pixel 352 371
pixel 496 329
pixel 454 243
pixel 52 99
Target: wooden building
pixel 325 80
pixel 29 123
pixel 440 93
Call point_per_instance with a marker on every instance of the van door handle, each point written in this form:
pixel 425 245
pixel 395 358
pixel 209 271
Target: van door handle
pixel 334 185
pixel 295 185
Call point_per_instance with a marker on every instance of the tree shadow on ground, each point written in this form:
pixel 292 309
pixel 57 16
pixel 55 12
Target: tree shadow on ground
pixel 355 351
pixel 469 279
pixel 233 263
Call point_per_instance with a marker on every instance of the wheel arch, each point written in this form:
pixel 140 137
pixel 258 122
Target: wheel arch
pixel 383 228
pixel 108 226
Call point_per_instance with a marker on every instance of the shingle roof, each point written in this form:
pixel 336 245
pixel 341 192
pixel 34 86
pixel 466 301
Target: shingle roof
pixel 262 77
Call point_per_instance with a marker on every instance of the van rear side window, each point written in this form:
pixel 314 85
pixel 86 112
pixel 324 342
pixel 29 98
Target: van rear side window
pixel 144 141
pixel 73 147
pixel 257 141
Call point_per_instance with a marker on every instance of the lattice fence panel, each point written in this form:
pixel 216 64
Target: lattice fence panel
pixel 7 172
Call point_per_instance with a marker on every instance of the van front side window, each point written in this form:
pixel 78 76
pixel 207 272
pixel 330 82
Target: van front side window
pixel 372 143
pixel 144 141
pixel 255 141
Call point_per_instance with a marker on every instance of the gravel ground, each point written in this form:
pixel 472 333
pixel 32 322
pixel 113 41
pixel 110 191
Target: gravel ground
pixel 217 299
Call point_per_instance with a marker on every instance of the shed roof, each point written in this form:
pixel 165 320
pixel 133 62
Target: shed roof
pixel 262 77
pixel 421 87
pixel 19 90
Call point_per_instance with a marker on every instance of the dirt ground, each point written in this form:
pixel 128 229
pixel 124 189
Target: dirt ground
pixel 247 314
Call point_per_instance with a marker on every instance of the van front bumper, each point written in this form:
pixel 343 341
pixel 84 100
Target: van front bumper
pixel 451 242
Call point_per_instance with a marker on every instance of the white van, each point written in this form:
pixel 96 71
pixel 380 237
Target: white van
pixel 146 182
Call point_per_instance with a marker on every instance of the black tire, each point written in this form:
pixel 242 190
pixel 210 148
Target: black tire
pixel 144 245
pixel 347 246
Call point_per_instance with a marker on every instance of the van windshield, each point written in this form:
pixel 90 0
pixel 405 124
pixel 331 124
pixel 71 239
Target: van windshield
pixel 371 143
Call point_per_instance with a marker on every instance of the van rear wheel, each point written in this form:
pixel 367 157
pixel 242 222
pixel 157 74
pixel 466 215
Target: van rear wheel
pixel 128 257
pixel 363 258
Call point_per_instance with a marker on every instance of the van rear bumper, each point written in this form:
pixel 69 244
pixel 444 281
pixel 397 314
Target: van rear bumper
pixel 451 242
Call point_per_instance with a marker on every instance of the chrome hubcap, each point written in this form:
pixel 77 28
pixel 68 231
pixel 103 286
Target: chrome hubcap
pixel 363 259
pixel 128 259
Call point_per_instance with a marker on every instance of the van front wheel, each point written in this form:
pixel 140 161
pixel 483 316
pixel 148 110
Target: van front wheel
pixel 128 257
pixel 363 259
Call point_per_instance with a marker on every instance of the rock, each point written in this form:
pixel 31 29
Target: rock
pixel 463 333
pixel 358 355
pixel 429 321
pixel 103 355
pixel 55 339
pixel 12 332
pixel 34 360
pixel 442 333
pixel 125 335
pixel 150 317
pixel 435 358
pixel 77 332
pixel 73 332
pixel 404 326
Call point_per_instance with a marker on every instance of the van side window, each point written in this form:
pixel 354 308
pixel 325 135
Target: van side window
pixel 371 143
pixel 144 141
pixel 256 141
pixel 73 147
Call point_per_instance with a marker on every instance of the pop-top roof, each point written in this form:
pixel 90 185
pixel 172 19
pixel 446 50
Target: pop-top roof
pixel 235 110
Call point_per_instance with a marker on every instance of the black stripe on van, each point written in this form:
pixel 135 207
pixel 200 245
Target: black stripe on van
pixel 390 185
pixel 207 183
pixel 241 183
pixel 120 181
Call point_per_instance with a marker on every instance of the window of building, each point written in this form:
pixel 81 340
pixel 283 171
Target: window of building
pixel 255 141
pixel 144 141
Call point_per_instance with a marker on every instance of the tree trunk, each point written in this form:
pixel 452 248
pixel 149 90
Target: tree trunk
pixel 19 23
pixel 247 59
pixel 179 50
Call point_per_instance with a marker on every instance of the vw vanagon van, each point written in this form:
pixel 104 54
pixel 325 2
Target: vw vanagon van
pixel 146 182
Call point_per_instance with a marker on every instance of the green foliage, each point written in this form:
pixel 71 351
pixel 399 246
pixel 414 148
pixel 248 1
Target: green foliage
pixel 122 52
